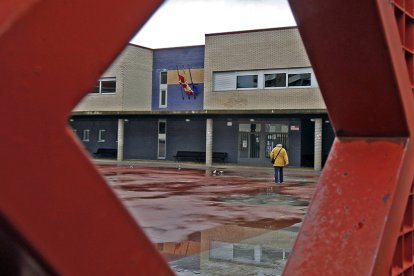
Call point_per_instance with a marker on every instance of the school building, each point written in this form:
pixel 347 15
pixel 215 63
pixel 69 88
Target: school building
pixel 253 89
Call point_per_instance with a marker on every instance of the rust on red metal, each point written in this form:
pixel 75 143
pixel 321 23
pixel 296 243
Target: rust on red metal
pixel 51 53
pixel 355 217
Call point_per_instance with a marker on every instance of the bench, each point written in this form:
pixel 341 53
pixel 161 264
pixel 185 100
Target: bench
pixel 219 157
pixel 199 156
pixel 105 152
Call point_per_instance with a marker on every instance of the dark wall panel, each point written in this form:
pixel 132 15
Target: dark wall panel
pixel 294 144
pixel 182 135
pixel 141 138
pixel 308 142
pixel 94 125
pixel 225 139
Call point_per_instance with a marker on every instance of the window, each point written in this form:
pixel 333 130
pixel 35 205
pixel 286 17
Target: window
pixel 163 89
pixel 105 86
pixel 162 139
pixel 264 79
pixel 163 77
pixel 250 127
pixel 102 135
pixel 299 79
pixel 275 80
pixel 85 136
pixel 281 128
pixel 163 98
pixel 247 81
pixel 162 127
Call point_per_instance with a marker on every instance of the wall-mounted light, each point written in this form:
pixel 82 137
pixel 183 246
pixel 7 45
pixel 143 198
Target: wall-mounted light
pixel 125 120
pixel 71 120
pixel 251 120
pixel 187 120
pixel 229 123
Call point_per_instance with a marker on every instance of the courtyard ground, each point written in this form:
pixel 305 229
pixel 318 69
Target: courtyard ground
pixel 221 220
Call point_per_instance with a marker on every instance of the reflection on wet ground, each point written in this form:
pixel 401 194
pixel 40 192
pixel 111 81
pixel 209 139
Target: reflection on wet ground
pixel 216 222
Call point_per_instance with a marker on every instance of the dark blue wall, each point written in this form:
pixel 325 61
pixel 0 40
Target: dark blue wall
pixel 295 140
pixel 225 138
pixel 141 138
pixel 182 135
pixel 94 125
pixel 169 59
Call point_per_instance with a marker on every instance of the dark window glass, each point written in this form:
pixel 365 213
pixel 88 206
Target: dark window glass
pixel 161 127
pixel 248 81
pixel 299 79
pixel 275 80
pixel 163 78
pixel 163 97
pixel 108 86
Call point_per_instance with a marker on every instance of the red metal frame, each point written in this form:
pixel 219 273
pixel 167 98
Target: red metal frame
pixel 360 221
pixel 354 219
pixel 51 53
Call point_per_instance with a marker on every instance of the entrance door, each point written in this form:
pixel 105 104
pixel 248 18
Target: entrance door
pixel 276 134
pixel 256 142
pixel 249 143
pixel 162 139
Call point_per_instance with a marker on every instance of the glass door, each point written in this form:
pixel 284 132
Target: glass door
pixel 249 142
pixel 162 137
pixel 276 134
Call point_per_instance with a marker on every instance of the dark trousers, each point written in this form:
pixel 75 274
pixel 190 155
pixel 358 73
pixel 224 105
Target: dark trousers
pixel 278 174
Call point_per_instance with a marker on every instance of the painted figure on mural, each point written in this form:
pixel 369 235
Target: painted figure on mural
pixel 280 159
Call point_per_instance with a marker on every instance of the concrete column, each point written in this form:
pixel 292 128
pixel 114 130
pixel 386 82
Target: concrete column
pixel 318 144
pixel 209 142
pixel 120 155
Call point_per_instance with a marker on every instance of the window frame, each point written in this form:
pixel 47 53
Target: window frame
pixel 100 139
pixel 278 71
pixel 86 135
pixel 230 78
pixel 163 87
pixel 248 73
pixel 162 137
pixel 99 86
pixel 298 86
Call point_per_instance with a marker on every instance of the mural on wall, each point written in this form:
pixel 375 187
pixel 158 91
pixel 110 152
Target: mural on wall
pixel 191 89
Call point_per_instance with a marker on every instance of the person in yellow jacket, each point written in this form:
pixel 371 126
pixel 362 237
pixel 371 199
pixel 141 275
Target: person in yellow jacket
pixel 280 159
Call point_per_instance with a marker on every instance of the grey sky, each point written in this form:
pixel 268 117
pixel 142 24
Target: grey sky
pixel 185 22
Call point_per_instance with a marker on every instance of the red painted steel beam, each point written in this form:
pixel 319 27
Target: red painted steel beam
pixel 51 53
pixel 355 216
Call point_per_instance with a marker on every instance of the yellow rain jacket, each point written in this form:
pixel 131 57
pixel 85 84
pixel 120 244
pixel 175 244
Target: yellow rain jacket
pixel 282 159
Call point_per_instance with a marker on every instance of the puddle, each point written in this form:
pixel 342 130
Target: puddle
pixel 215 223
pixel 267 199
pixel 232 250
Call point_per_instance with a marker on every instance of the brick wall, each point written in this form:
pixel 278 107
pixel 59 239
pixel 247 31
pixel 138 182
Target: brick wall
pixel 257 50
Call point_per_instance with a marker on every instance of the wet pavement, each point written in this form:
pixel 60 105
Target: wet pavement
pixel 229 220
